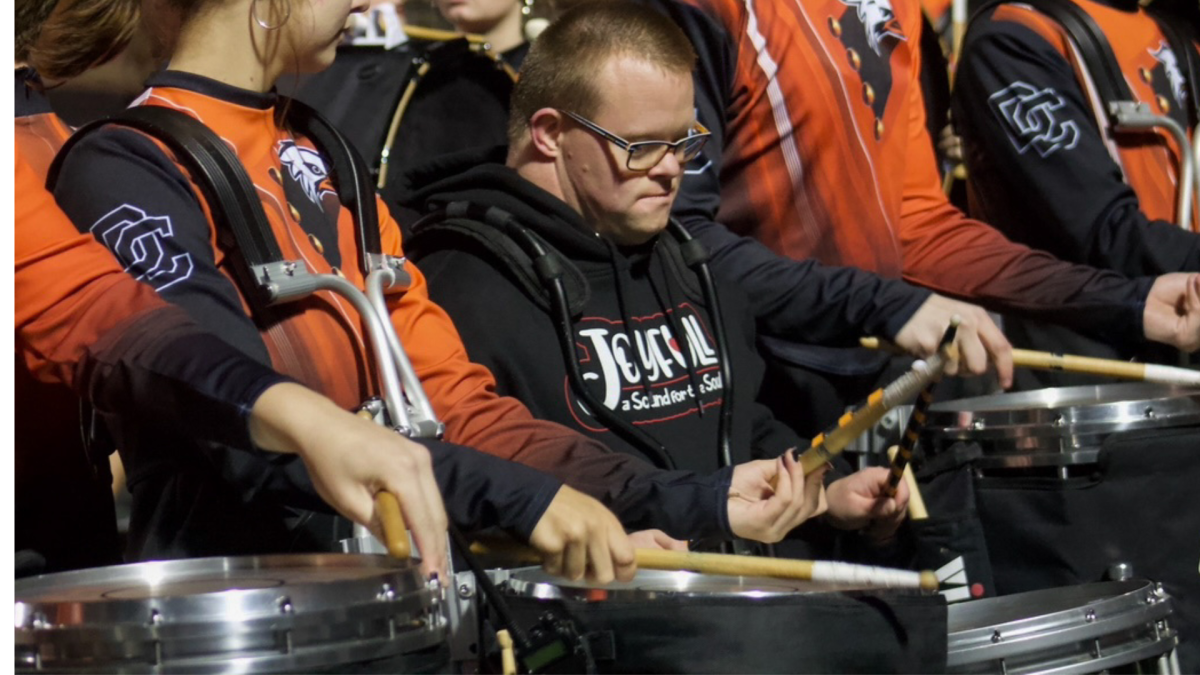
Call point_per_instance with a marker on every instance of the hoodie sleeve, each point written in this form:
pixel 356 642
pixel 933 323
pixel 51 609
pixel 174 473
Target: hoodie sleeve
pixel 464 397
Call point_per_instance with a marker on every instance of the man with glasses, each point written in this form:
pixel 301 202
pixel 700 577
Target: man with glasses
pixel 556 260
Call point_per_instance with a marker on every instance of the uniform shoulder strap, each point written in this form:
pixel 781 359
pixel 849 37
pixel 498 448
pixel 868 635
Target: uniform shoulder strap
pixel 495 233
pixel 347 169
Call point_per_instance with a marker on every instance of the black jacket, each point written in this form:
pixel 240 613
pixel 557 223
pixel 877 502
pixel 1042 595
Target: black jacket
pixel 641 325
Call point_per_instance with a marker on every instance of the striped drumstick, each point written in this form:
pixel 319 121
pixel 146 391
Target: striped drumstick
pixel 828 445
pixel 916 421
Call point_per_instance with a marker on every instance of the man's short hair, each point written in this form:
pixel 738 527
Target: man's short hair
pixel 561 67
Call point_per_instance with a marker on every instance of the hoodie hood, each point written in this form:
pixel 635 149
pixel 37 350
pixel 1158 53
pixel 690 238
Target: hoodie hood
pixel 480 177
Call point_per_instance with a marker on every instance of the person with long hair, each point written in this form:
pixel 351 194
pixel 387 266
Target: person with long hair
pixel 83 322
pixel 228 56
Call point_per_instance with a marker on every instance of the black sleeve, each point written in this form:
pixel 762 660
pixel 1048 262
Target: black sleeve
pixel 481 491
pixel 1039 167
pixel 121 187
pixel 794 300
pixel 161 365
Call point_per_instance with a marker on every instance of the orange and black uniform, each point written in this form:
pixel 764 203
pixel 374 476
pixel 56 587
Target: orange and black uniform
pixel 820 151
pixel 123 187
pixel 81 321
pixel 1041 168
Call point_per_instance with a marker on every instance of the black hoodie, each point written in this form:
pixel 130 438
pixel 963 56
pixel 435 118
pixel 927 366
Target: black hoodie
pixel 641 325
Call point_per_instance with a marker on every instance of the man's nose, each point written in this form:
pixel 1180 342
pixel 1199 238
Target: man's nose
pixel 669 166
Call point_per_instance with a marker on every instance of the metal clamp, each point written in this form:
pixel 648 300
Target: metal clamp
pixel 1135 116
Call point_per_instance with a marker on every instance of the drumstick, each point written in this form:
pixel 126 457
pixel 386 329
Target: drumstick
pixel 916 421
pixel 852 425
pixel 395 534
pixel 747 566
pixel 1144 372
pixel 916 503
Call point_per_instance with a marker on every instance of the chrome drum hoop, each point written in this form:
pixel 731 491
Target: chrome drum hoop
pixel 1075 629
pixel 1056 427
pixel 244 614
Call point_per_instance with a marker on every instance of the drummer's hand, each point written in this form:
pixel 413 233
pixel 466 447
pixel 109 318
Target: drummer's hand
pixel 577 536
pixel 656 539
pixel 1172 314
pixel 979 339
pixel 762 513
pixel 860 501
pixel 351 459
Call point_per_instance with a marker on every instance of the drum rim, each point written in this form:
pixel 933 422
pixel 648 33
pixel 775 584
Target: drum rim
pixel 387 613
pixel 1061 420
pixel 1107 609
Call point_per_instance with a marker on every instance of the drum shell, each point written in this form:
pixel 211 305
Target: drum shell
pixel 1057 521
pixel 790 627
pixel 1085 628
pixel 306 613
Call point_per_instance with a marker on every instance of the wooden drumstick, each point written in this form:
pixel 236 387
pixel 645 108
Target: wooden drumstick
pixel 391 518
pixel 853 424
pixel 1142 372
pixel 916 503
pixel 395 533
pixel 747 566
pixel 508 657
pixel 916 421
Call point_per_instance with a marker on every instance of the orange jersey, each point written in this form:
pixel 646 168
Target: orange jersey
pixel 824 154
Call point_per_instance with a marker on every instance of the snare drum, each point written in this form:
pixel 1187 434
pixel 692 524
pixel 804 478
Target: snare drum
pixel 292 613
pixel 1070 482
pixel 694 623
pixel 1088 628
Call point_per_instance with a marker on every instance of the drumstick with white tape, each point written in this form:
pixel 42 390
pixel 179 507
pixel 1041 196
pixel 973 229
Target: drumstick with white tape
pixel 745 566
pixel 1142 372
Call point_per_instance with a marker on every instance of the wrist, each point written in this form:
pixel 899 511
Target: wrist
pixel 288 417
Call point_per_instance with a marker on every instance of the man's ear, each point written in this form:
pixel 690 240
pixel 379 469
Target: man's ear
pixel 545 132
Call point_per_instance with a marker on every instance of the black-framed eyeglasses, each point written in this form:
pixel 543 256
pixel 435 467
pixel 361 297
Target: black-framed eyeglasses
pixel 645 155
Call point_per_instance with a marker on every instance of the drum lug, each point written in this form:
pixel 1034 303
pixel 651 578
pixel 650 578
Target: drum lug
pixel 1090 616
pixel 284 604
pixel 997 637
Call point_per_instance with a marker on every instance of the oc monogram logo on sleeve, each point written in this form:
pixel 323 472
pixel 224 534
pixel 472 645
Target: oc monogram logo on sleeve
pixel 140 242
pixel 1031 119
